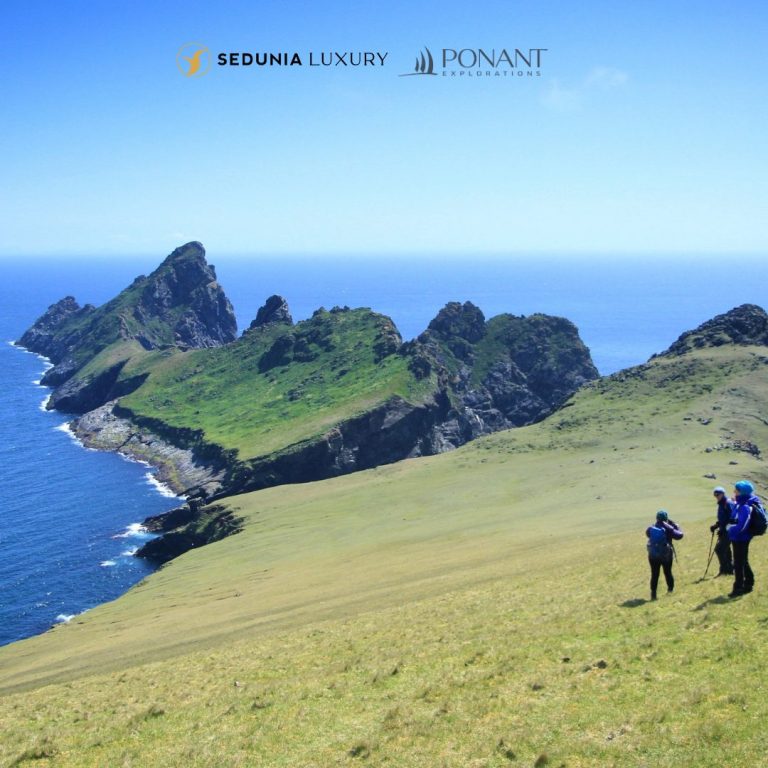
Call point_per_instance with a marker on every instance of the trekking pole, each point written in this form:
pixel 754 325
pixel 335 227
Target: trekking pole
pixel 711 552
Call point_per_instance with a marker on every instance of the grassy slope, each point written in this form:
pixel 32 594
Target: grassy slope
pixel 222 392
pixel 479 608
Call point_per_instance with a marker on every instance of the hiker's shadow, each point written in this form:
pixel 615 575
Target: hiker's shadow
pixel 636 602
pixel 719 600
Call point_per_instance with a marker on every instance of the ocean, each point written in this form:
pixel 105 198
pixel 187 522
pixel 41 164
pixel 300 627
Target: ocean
pixel 69 518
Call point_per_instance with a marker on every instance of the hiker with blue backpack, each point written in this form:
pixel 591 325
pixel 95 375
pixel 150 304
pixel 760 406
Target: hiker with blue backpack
pixel 661 550
pixel 750 520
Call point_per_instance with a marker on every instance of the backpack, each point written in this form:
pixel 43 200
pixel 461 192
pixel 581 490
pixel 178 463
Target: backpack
pixel 757 520
pixel 659 547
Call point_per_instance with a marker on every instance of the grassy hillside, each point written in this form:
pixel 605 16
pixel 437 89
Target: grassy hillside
pixel 480 608
pixel 278 384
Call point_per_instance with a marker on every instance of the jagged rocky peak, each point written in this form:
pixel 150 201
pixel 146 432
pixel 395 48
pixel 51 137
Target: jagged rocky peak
pixel 275 310
pixel 465 321
pixel 746 324
pixel 186 281
pixel 189 267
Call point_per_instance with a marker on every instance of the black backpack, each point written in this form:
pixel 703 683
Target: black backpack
pixel 758 522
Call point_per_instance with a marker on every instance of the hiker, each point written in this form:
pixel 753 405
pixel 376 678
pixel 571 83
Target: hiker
pixel 725 516
pixel 660 549
pixel 740 535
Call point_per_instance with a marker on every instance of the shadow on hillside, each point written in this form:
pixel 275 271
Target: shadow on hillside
pixel 636 602
pixel 719 600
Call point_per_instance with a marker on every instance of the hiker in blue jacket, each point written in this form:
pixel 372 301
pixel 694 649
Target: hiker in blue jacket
pixel 660 550
pixel 740 536
pixel 725 516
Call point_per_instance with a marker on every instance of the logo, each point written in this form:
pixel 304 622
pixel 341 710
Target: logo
pixel 423 66
pixel 193 60
pixel 510 63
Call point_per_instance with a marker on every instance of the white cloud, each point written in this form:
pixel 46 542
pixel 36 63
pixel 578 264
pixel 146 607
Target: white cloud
pixel 565 98
pixel 605 78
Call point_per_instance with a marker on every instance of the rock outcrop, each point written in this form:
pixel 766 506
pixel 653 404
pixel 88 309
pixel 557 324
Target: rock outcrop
pixel 275 310
pixel 744 325
pixel 507 372
pixel 45 337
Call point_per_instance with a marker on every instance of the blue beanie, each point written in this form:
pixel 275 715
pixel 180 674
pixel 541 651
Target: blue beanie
pixel 662 515
pixel 744 487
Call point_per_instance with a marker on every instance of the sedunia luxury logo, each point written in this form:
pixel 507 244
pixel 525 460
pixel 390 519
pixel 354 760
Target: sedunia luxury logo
pixel 470 63
pixel 194 60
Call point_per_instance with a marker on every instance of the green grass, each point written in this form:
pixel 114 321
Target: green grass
pixel 227 395
pixel 485 607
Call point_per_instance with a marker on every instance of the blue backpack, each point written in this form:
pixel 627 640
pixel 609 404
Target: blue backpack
pixel 659 547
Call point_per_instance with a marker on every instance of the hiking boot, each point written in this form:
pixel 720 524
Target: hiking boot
pixel 653 595
pixel 736 593
pixel 747 590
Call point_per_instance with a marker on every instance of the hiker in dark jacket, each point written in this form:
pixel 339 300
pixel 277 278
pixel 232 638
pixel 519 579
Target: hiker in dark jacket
pixel 738 533
pixel 660 551
pixel 725 516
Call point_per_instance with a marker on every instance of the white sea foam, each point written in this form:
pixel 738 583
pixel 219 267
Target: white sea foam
pixel 129 552
pixel 107 563
pixel 161 488
pixel 136 530
pixel 67 430
pixel 65 618
pixel 43 358
pixel 44 405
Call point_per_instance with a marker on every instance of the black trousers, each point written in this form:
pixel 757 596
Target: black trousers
pixel 744 579
pixel 656 566
pixel 723 552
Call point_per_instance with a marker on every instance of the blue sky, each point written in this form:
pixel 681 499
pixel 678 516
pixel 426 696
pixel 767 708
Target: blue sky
pixel 644 132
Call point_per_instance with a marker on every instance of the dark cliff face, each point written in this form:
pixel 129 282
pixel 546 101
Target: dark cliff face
pixel 746 324
pixel 506 372
pixel 179 305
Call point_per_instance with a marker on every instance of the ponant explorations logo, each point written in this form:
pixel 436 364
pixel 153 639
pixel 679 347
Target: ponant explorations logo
pixel 510 63
pixel 423 66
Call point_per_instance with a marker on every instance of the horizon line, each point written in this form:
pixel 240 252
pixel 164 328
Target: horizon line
pixel 393 253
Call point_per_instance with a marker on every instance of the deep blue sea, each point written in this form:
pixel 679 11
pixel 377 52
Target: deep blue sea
pixel 68 516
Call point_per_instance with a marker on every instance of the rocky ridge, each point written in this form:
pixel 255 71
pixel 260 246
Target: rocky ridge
pixel 483 375
pixel 746 324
